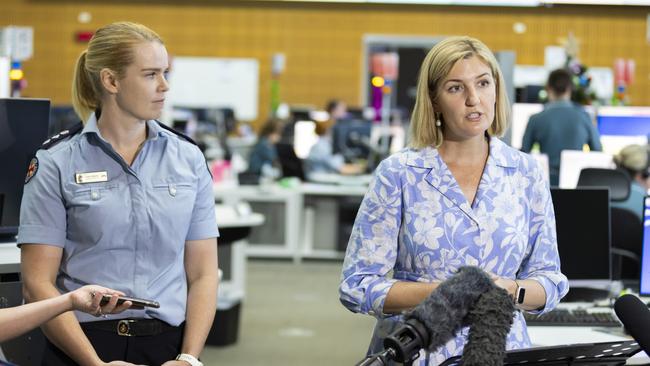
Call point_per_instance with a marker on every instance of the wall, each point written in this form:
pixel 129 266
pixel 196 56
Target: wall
pixel 322 42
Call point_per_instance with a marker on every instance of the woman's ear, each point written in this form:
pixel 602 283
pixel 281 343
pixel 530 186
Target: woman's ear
pixel 108 79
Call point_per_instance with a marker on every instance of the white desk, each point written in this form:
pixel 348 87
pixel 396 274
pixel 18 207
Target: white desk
pixel 302 221
pixel 557 336
pixel 9 258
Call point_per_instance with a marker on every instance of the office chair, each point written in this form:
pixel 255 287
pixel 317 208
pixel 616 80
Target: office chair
pixel 626 227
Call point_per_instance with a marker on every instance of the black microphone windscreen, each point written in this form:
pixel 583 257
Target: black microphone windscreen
pixel 635 315
pixel 443 311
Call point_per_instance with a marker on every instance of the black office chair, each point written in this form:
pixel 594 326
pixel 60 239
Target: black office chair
pixel 626 227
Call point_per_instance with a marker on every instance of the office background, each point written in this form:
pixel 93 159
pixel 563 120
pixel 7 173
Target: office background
pixel 322 42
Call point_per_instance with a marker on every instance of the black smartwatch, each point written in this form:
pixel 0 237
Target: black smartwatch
pixel 520 294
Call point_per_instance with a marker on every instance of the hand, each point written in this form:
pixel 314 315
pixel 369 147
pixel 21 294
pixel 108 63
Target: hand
pixel 121 363
pixel 88 298
pixel 175 363
pixel 505 283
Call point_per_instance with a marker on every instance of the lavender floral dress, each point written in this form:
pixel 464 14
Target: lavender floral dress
pixel 415 224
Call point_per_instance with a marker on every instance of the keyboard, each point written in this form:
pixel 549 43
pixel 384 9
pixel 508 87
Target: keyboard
pixel 574 317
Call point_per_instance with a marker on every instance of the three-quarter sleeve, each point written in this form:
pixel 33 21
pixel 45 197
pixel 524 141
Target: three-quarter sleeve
pixel 372 248
pixel 42 210
pixel 542 262
pixel 204 222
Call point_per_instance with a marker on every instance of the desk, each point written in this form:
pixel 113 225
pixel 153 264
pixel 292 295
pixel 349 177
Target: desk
pixel 301 221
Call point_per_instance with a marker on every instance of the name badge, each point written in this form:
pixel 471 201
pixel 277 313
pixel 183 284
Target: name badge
pixel 91 177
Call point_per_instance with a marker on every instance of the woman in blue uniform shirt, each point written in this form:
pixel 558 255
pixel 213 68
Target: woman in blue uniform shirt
pixel 457 196
pixel 124 203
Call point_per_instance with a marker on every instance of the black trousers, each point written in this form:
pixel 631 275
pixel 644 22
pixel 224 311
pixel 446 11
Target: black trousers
pixel 146 350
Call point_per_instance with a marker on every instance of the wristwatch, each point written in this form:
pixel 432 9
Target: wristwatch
pixel 193 361
pixel 520 294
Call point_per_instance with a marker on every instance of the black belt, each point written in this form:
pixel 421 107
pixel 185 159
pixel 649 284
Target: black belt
pixel 130 327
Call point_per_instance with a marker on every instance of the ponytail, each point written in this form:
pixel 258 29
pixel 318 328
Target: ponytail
pixel 111 47
pixel 84 99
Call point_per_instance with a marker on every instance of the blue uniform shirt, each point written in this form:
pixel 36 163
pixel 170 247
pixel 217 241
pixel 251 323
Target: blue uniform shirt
pixel 129 231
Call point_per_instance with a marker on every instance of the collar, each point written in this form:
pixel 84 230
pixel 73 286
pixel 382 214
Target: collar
pixel 500 154
pixel 153 130
pixel 558 104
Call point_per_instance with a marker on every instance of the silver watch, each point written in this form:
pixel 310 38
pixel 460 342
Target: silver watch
pixel 193 361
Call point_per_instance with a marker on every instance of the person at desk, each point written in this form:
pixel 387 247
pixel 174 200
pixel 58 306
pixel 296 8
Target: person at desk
pixel 633 159
pixel 123 202
pixel 264 152
pixel 321 158
pixel 562 125
pixel 21 319
pixel 457 196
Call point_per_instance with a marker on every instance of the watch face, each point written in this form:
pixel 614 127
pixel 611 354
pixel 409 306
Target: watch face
pixel 521 293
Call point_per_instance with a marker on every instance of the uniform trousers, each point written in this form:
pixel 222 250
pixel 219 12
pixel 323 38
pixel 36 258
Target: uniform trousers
pixel 110 346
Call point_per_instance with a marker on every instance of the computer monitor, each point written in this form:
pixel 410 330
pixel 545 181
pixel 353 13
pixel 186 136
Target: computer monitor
pixel 644 288
pixel 622 126
pixel 521 113
pixel 24 126
pixel 351 138
pixel 583 235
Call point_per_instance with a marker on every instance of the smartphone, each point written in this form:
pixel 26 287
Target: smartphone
pixel 137 303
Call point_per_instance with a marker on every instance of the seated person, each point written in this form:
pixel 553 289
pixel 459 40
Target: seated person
pixel 264 152
pixel 633 159
pixel 321 158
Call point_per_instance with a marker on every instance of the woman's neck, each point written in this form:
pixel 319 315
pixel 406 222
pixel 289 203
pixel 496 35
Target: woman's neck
pixel 464 152
pixel 120 131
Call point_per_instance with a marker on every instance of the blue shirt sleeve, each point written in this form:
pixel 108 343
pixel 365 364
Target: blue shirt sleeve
pixel 543 260
pixel 372 249
pixel 42 211
pixel 204 221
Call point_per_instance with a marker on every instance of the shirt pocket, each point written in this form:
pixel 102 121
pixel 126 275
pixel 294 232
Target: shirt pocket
pixel 172 204
pixel 93 194
pixel 91 211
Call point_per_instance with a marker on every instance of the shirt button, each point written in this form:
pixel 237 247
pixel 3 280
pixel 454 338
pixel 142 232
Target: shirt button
pixel 94 195
pixel 172 190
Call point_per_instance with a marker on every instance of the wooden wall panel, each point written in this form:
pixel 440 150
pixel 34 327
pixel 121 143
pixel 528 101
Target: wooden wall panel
pixel 322 43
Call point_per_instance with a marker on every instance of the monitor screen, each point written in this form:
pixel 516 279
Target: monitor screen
pixel 351 138
pixel 24 126
pixel 521 113
pixel 622 126
pixel 583 226
pixel 645 252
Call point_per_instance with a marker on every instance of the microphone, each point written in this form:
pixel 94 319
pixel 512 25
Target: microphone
pixel 438 318
pixel 635 316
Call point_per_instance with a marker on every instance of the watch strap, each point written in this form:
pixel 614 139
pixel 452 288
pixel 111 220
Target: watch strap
pixel 193 361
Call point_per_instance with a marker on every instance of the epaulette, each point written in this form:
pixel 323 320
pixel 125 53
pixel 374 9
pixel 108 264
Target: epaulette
pixel 62 135
pixel 181 135
pixel 184 137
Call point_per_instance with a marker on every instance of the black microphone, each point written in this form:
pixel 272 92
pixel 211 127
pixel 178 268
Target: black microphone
pixel 402 345
pixel 436 320
pixel 635 316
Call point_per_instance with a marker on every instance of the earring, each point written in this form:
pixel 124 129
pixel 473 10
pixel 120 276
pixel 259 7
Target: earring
pixel 438 123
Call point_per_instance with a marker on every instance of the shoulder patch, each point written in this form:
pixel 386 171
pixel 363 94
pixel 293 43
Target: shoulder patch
pixel 181 135
pixel 31 170
pixel 62 135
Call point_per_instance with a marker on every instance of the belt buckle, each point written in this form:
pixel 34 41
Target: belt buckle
pixel 124 328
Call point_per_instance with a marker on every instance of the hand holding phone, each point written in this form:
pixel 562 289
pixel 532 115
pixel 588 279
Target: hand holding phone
pixel 136 302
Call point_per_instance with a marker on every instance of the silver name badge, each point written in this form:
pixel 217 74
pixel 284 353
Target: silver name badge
pixel 91 177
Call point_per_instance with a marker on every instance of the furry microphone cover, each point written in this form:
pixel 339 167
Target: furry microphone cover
pixel 467 298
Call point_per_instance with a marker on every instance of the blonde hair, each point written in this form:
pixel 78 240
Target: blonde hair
pixel 109 48
pixel 435 67
pixel 634 158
